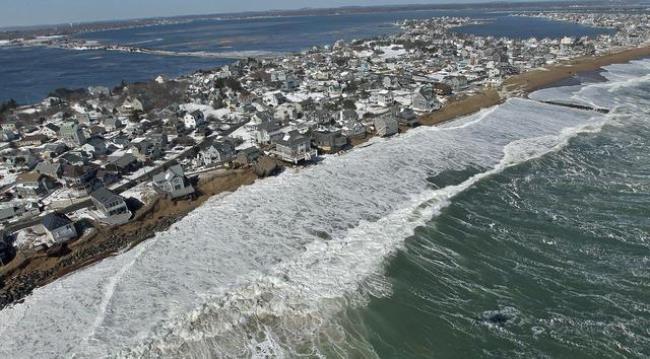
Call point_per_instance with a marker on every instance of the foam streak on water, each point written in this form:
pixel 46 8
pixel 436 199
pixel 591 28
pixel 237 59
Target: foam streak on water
pixel 262 271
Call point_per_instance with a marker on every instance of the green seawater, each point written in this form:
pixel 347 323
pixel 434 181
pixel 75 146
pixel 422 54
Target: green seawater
pixel 547 259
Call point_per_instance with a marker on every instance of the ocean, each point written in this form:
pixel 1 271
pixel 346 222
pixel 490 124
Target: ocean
pixel 520 231
pixel 30 74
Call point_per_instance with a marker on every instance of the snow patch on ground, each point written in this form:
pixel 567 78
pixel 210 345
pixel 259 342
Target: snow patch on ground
pixel 143 192
pixel 304 95
pixel 6 177
pixel 208 111
pixel 245 135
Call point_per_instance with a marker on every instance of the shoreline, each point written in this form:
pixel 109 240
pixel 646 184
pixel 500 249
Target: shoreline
pixel 22 275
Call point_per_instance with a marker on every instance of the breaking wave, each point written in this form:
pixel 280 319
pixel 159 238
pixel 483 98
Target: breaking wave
pixel 265 271
pixel 289 311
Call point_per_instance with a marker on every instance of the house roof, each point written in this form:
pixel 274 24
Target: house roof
pixel 173 171
pixel 72 157
pixel 55 220
pixel 69 126
pixel 112 121
pixel 96 141
pixel 52 127
pixel 124 160
pixel 38 137
pixel 264 116
pixel 28 177
pixel 268 125
pixel 73 171
pixel 47 166
pixel 176 170
pixel 104 195
pixel 220 145
pixel 293 138
pixel 250 150
pixel 427 93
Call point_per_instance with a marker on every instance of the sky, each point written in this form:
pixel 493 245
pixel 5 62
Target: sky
pixel 39 12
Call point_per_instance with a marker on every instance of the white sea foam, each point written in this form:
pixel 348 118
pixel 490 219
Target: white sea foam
pixel 264 270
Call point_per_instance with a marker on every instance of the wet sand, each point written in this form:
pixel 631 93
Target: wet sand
pixel 538 79
pixel 525 83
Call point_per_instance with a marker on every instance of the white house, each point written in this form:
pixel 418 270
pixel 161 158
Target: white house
pixel 193 119
pixel 173 183
pixel 130 106
pixel 59 227
pixel 386 126
pixel 287 111
pixel 335 90
pixel 425 100
pixel 112 206
pixel 383 98
pixel 273 99
pixel 216 153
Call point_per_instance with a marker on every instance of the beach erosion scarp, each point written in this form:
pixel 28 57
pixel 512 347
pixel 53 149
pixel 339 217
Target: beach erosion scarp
pixel 26 273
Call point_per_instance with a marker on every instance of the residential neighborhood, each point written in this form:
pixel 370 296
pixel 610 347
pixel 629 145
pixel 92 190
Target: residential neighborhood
pixel 73 156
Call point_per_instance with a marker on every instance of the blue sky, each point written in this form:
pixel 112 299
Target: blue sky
pixel 33 12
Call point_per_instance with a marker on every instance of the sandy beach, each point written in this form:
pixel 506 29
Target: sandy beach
pixel 23 275
pixel 525 83
pixel 535 80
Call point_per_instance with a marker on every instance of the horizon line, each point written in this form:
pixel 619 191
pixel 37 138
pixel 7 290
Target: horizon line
pixel 447 3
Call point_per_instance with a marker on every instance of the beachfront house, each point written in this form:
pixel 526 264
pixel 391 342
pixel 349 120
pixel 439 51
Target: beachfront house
pixel 442 89
pixel 457 83
pixel 386 126
pixel 216 153
pixel 294 148
pixel 408 117
pixel 59 227
pixel 425 100
pixel 353 129
pixel 329 141
pixel 123 163
pixel 173 183
pixel 247 156
pixel 348 115
pixel 268 131
pixel 111 206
